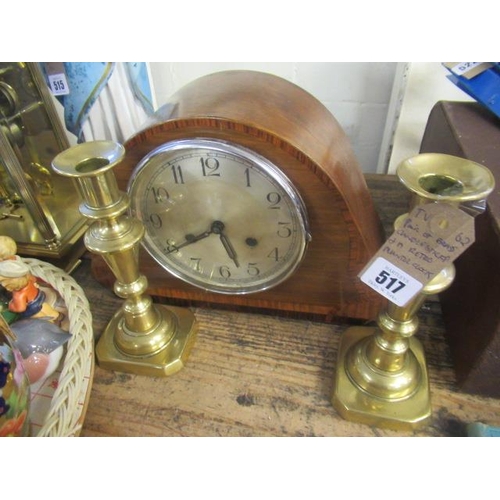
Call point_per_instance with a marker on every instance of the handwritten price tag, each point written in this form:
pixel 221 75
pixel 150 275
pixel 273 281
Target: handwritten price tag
pixel 430 238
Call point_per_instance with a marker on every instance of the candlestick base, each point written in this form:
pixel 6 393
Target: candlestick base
pixel 167 361
pixel 358 405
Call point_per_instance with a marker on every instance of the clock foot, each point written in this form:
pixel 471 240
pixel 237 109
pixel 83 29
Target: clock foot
pixel 177 324
pixel 369 405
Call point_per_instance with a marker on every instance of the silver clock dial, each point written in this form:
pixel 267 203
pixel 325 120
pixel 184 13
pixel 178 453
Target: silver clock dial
pixel 219 216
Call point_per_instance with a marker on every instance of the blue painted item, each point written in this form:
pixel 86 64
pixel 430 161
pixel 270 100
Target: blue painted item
pixel 477 429
pixel 484 87
pixel 86 81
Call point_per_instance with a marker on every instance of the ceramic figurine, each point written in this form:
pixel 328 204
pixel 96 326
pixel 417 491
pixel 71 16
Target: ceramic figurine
pixel 14 387
pixel 8 249
pixel 28 306
pixel 41 345
pixel 27 300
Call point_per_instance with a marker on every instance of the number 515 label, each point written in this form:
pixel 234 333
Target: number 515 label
pixel 58 84
pixel 390 281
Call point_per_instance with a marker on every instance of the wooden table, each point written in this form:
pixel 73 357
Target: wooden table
pixel 259 375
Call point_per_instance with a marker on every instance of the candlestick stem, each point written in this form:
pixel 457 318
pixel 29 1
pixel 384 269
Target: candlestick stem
pixel 142 337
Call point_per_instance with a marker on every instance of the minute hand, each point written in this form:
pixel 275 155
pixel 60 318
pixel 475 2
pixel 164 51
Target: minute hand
pixel 229 249
pixel 218 228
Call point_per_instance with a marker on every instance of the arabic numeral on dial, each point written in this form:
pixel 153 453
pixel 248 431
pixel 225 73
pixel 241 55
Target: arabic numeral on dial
pixel 177 173
pixel 274 254
pixel 224 272
pixel 284 230
pixel 252 269
pixel 155 221
pixel 171 247
pixel 160 194
pixel 210 166
pixel 274 200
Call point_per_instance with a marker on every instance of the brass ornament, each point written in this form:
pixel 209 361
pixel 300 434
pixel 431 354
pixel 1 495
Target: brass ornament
pixel 37 209
pixel 142 338
pixel 381 374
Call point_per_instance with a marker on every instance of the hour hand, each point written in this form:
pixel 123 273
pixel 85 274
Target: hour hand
pixel 189 239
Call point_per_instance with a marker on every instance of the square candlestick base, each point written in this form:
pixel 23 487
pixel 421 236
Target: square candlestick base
pixel 167 361
pixel 355 404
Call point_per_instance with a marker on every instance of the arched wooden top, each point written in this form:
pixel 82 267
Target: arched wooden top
pixel 282 113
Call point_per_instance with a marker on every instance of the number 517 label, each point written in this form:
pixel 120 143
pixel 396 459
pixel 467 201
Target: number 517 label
pixel 390 281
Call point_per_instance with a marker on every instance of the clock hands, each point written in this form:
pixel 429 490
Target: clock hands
pixel 229 249
pixel 190 238
pixel 217 227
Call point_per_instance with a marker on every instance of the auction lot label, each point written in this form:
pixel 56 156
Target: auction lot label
pixel 429 239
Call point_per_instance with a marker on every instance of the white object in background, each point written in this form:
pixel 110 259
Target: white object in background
pixel 427 84
pixel 393 113
pixel 116 114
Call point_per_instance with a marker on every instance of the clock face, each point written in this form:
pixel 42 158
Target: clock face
pixel 219 216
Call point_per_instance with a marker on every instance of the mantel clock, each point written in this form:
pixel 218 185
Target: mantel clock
pixel 252 199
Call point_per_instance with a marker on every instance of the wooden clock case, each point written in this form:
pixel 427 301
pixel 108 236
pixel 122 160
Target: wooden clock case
pixel 285 124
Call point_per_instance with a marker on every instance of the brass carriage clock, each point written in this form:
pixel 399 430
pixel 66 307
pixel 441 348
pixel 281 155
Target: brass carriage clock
pixel 38 209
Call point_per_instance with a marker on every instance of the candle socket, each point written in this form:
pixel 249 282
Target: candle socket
pixel 381 374
pixel 142 337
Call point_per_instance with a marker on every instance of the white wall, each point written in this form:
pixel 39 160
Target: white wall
pixel 425 85
pixel 383 107
pixel 356 93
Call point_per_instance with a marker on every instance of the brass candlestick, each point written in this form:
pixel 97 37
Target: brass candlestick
pixel 381 374
pixel 142 338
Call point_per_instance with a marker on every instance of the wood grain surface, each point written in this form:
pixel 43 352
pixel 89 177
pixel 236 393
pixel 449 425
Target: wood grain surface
pixel 264 375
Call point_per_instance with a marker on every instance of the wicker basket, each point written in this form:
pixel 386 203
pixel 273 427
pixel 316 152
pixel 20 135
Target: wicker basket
pixel 69 401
